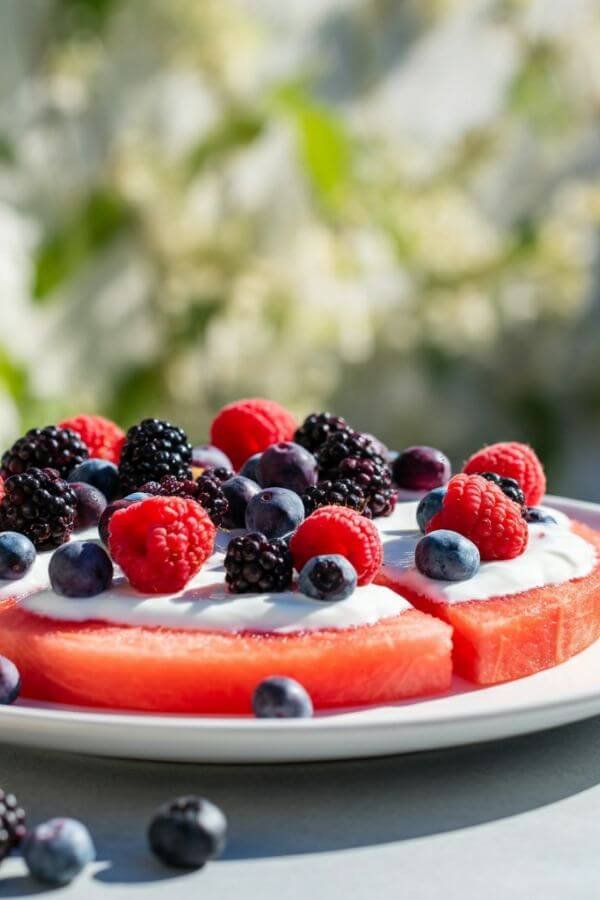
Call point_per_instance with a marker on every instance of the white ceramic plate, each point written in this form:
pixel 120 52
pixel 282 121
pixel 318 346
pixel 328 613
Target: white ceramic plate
pixel 566 693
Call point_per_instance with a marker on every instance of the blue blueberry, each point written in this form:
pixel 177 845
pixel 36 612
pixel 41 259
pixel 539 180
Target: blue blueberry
pixel 188 832
pixel 137 496
pixel 17 555
pixel 288 465
pixel 91 503
pixel 101 474
pixel 10 681
pixel 207 456
pixel 279 697
pixel 446 556
pixel 58 850
pixel 535 516
pixel 274 512
pixel 250 468
pixel 107 515
pixel 429 505
pixel 238 492
pixel 80 569
pixel 328 577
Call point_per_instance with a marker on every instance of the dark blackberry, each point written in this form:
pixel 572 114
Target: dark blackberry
pixel 344 444
pixel 152 450
pixel 342 492
pixel 219 474
pixel 12 823
pixel 316 428
pixel 40 505
pixel 206 491
pixel 508 486
pixel 45 448
pixel 255 564
pixel 375 479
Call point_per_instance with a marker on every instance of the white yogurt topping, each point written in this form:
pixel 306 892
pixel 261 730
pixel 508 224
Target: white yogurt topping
pixel 37 578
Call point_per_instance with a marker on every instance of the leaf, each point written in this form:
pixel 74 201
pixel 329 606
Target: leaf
pixel 239 129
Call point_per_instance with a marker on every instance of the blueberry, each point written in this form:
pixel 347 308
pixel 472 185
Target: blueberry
pixel 447 556
pixel 328 577
pixel 279 697
pixel 429 505
pixel 188 832
pixel 206 456
pixel 533 515
pixel 17 555
pixel 274 512
pixel 238 492
pixel 136 496
pixel 250 468
pixel 91 503
pixel 288 465
pixel 421 469
pixel 106 516
pixel 101 474
pixel 10 681
pixel 80 569
pixel 58 850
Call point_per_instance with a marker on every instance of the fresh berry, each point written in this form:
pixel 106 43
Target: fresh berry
pixel 101 474
pixel 428 506
pixel 533 515
pixel 161 543
pixel 91 503
pixel 287 465
pixel 250 468
pixel 508 486
pixel 10 685
pixel 219 474
pixel 57 851
pixel 12 823
pixel 478 509
pixel 17 555
pixel 375 480
pixel 421 469
pixel 316 428
pixel 44 448
pixel 1 488
pixel 254 564
pixel 336 529
pixel 238 492
pixel 274 512
pixel 512 460
pixel 206 456
pixel 107 515
pixel 206 491
pixel 379 446
pixel 341 492
pixel 40 505
pixel 188 832
pixel 152 450
pixel 137 495
pixel 103 438
pixel 343 444
pixel 328 577
pixel 279 697
pixel 250 426
pixel 80 569
pixel 447 556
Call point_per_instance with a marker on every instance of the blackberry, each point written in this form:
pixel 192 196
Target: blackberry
pixel 40 505
pixel 152 450
pixel 375 479
pixel 206 491
pixel 255 564
pixel 316 428
pixel 508 486
pixel 218 474
pixel 342 492
pixel 44 448
pixel 12 823
pixel 344 444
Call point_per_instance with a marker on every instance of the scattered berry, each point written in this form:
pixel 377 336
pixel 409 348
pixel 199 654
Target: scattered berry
pixel 508 486
pixel 447 556
pixel 103 438
pixel 533 515
pixel 188 832
pixel 254 564
pixel 478 509
pixel 250 426
pixel 40 505
pixel 57 851
pixel 91 503
pixel 219 474
pixel 10 686
pixel 44 448
pixel 161 543
pixel 206 491
pixel 329 577
pixel 512 460
pixel 279 697
pixel 338 530
pixel 341 492
pixel 421 469
pixel 428 506
pixel 101 474
pixel 316 428
pixel 152 450
pixel 80 569
pixel 341 445
pixel 250 468
pixel 287 465
pixel 206 456
pixel 375 480
pixel 274 512
pixel 137 495
pixel 238 492
pixel 12 823
pixel 107 515
pixel 17 555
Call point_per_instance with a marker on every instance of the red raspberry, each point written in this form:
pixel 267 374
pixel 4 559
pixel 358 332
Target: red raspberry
pixel 337 529
pixel 479 510
pixel 2 489
pixel 512 460
pixel 102 437
pixel 161 543
pixel 250 426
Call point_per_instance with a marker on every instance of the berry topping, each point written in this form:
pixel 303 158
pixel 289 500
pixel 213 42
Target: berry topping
pixel 512 460
pixel 250 467
pixel 206 491
pixel 103 438
pixel 57 851
pixel 188 832
pixel 274 512
pixel 329 577
pixel 279 697
pixel 375 480
pixel 91 503
pixel 161 543
pixel 478 509
pixel 254 564
pixel 238 492
pixel 17 555
pixel 421 469
pixel 40 505
pixel 508 486
pixel 316 428
pixel 287 465
pixel 206 456
pixel 108 513
pixel 44 448
pixel 152 450
pixel 341 492
pixel 250 426
pixel 10 686
pixel 428 506
pixel 80 569
pixel 336 529
pixel 343 444
pixel 533 515
pixel 447 556
pixel 12 823
pixel 101 474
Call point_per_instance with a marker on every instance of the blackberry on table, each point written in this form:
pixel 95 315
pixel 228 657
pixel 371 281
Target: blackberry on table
pixel 509 486
pixel 12 823
pixel 206 490
pixel 316 428
pixel 375 480
pixel 218 474
pixel 152 450
pixel 341 492
pixel 42 448
pixel 255 564
pixel 40 505
pixel 344 444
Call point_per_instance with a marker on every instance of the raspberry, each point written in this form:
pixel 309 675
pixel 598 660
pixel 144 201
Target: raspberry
pixel 510 459
pixel 250 426
pixel 161 543
pixel 103 438
pixel 337 529
pixel 479 510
